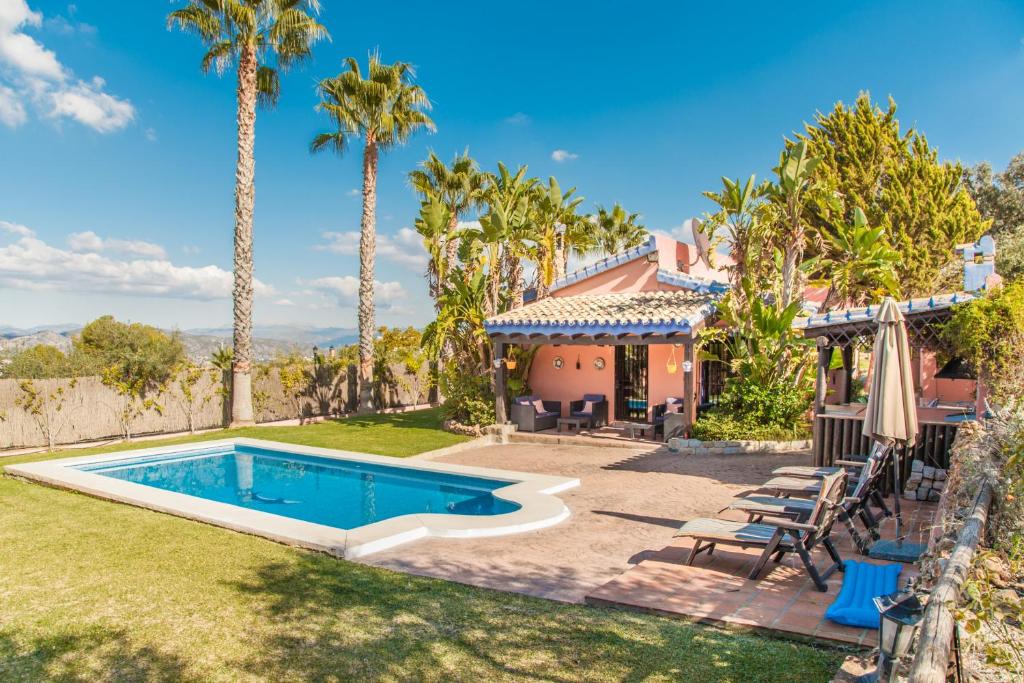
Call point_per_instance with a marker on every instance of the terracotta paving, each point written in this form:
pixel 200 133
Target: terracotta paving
pixel 715 589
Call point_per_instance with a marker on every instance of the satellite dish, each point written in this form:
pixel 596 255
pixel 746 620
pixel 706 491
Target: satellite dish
pixel 701 241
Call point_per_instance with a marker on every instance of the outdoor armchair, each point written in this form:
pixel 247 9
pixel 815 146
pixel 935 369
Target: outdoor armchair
pixel 529 417
pixel 668 418
pixel 598 413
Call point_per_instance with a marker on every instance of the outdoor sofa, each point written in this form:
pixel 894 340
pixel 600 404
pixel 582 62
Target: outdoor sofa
pixel 531 414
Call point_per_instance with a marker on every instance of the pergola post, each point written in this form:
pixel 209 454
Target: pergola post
pixel 689 386
pixel 820 387
pixel 848 370
pixel 500 407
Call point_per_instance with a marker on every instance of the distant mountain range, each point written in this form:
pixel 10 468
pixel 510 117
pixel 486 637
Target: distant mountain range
pixel 268 340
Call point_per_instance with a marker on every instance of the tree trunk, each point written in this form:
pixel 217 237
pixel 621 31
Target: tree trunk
pixel 451 245
pixel 245 197
pixel 516 282
pixel 367 253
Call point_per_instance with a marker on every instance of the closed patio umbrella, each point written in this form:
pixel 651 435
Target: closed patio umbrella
pixel 891 415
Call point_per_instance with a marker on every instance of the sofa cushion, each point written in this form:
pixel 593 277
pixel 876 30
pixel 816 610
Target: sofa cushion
pixel 672 407
pixel 538 405
pixel 594 398
pixel 547 413
pixel 525 400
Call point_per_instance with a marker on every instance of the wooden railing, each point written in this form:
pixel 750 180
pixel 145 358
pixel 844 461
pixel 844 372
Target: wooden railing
pixel 836 437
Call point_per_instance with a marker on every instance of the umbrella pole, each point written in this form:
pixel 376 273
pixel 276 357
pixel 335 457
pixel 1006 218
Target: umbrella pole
pixel 897 493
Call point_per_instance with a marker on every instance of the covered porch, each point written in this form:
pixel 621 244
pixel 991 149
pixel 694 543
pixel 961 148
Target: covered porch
pixel 635 349
pixel 946 397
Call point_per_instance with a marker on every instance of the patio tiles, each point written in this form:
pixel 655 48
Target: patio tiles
pixel 716 590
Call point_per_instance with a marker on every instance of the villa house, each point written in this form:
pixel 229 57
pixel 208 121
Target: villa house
pixel 625 328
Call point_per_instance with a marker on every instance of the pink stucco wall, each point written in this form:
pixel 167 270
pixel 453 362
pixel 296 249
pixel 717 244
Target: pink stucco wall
pixel 569 384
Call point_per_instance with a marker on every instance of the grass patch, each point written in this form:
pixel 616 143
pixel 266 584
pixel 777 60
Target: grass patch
pixel 97 591
pixel 396 434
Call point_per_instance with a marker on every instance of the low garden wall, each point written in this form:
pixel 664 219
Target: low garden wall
pixel 698 447
pixel 90 409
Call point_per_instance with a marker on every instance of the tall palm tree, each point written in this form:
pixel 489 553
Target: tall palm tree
pixel 459 187
pixel 385 108
pixel 261 36
pixel 559 230
pixel 514 194
pixel 617 231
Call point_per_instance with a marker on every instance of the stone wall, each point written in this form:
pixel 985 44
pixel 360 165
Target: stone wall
pixel 698 447
pixel 90 410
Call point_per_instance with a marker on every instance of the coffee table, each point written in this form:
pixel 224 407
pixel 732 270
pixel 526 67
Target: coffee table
pixel 642 427
pixel 573 422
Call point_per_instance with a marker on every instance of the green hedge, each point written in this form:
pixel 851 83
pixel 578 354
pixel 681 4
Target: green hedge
pixel 718 425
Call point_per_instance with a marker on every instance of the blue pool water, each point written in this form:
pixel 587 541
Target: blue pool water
pixel 338 493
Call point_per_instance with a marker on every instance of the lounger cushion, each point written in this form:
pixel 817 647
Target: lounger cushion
pixel 863 581
pixel 721 530
pixel 770 504
pixel 805 471
pixel 796 484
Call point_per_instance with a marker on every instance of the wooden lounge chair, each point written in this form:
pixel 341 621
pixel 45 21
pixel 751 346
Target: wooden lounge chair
pixel 778 536
pixel 855 505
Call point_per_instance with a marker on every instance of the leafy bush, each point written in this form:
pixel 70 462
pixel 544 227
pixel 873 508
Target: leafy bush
pixel 720 425
pixel 468 398
pixel 775 404
pixel 989 333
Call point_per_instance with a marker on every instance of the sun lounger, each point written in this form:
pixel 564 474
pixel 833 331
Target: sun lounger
pixel 855 505
pixel 778 536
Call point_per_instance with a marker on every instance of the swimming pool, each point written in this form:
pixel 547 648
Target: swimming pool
pixel 345 503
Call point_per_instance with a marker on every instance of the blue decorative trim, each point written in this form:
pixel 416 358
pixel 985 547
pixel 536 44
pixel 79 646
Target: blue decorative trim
pixel 605 264
pixel 588 329
pixel 932 303
pixel 696 284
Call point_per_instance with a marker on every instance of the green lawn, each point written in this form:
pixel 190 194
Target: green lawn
pixel 95 591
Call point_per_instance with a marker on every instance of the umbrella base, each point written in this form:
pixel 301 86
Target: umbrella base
pixel 896 551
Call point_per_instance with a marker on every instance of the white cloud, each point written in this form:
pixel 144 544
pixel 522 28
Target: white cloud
pixel 190 249
pixel 405 247
pixel 90 241
pixel 562 155
pixel 518 119
pixel 15 229
pixel 33 73
pixel 12 111
pixel 345 289
pixel 32 264
pixel 150 135
pixel 354 192
pixel 89 105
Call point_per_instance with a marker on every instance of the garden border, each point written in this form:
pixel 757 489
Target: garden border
pixel 698 447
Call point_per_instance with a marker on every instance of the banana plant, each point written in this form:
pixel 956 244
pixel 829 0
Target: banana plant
pixel 857 262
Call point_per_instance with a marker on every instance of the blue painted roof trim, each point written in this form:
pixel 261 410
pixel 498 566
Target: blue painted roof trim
pixel 549 329
pixel 605 264
pixel 696 284
pixel 850 315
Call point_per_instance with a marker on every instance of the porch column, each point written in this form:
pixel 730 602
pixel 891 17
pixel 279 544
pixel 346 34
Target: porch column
pixel 500 409
pixel 820 387
pixel 689 387
pixel 848 371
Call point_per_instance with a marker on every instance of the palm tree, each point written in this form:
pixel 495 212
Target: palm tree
pixel 459 187
pixel 262 36
pixel 617 231
pixel 385 108
pixel 559 230
pixel 513 193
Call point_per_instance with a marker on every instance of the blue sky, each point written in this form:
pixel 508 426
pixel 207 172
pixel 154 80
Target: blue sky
pixel 118 154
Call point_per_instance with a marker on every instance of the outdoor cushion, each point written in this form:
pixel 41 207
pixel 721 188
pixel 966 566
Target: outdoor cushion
pixel 863 581
pixel 724 530
pixel 588 408
pixel 546 413
pixel 595 398
pixel 538 405
pixel 672 407
pixel 526 400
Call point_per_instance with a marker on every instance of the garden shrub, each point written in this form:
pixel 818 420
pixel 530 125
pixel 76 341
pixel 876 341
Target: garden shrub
pixel 719 425
pixel 468 398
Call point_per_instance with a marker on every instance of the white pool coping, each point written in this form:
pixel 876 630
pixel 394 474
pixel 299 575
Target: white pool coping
pixel 533 492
